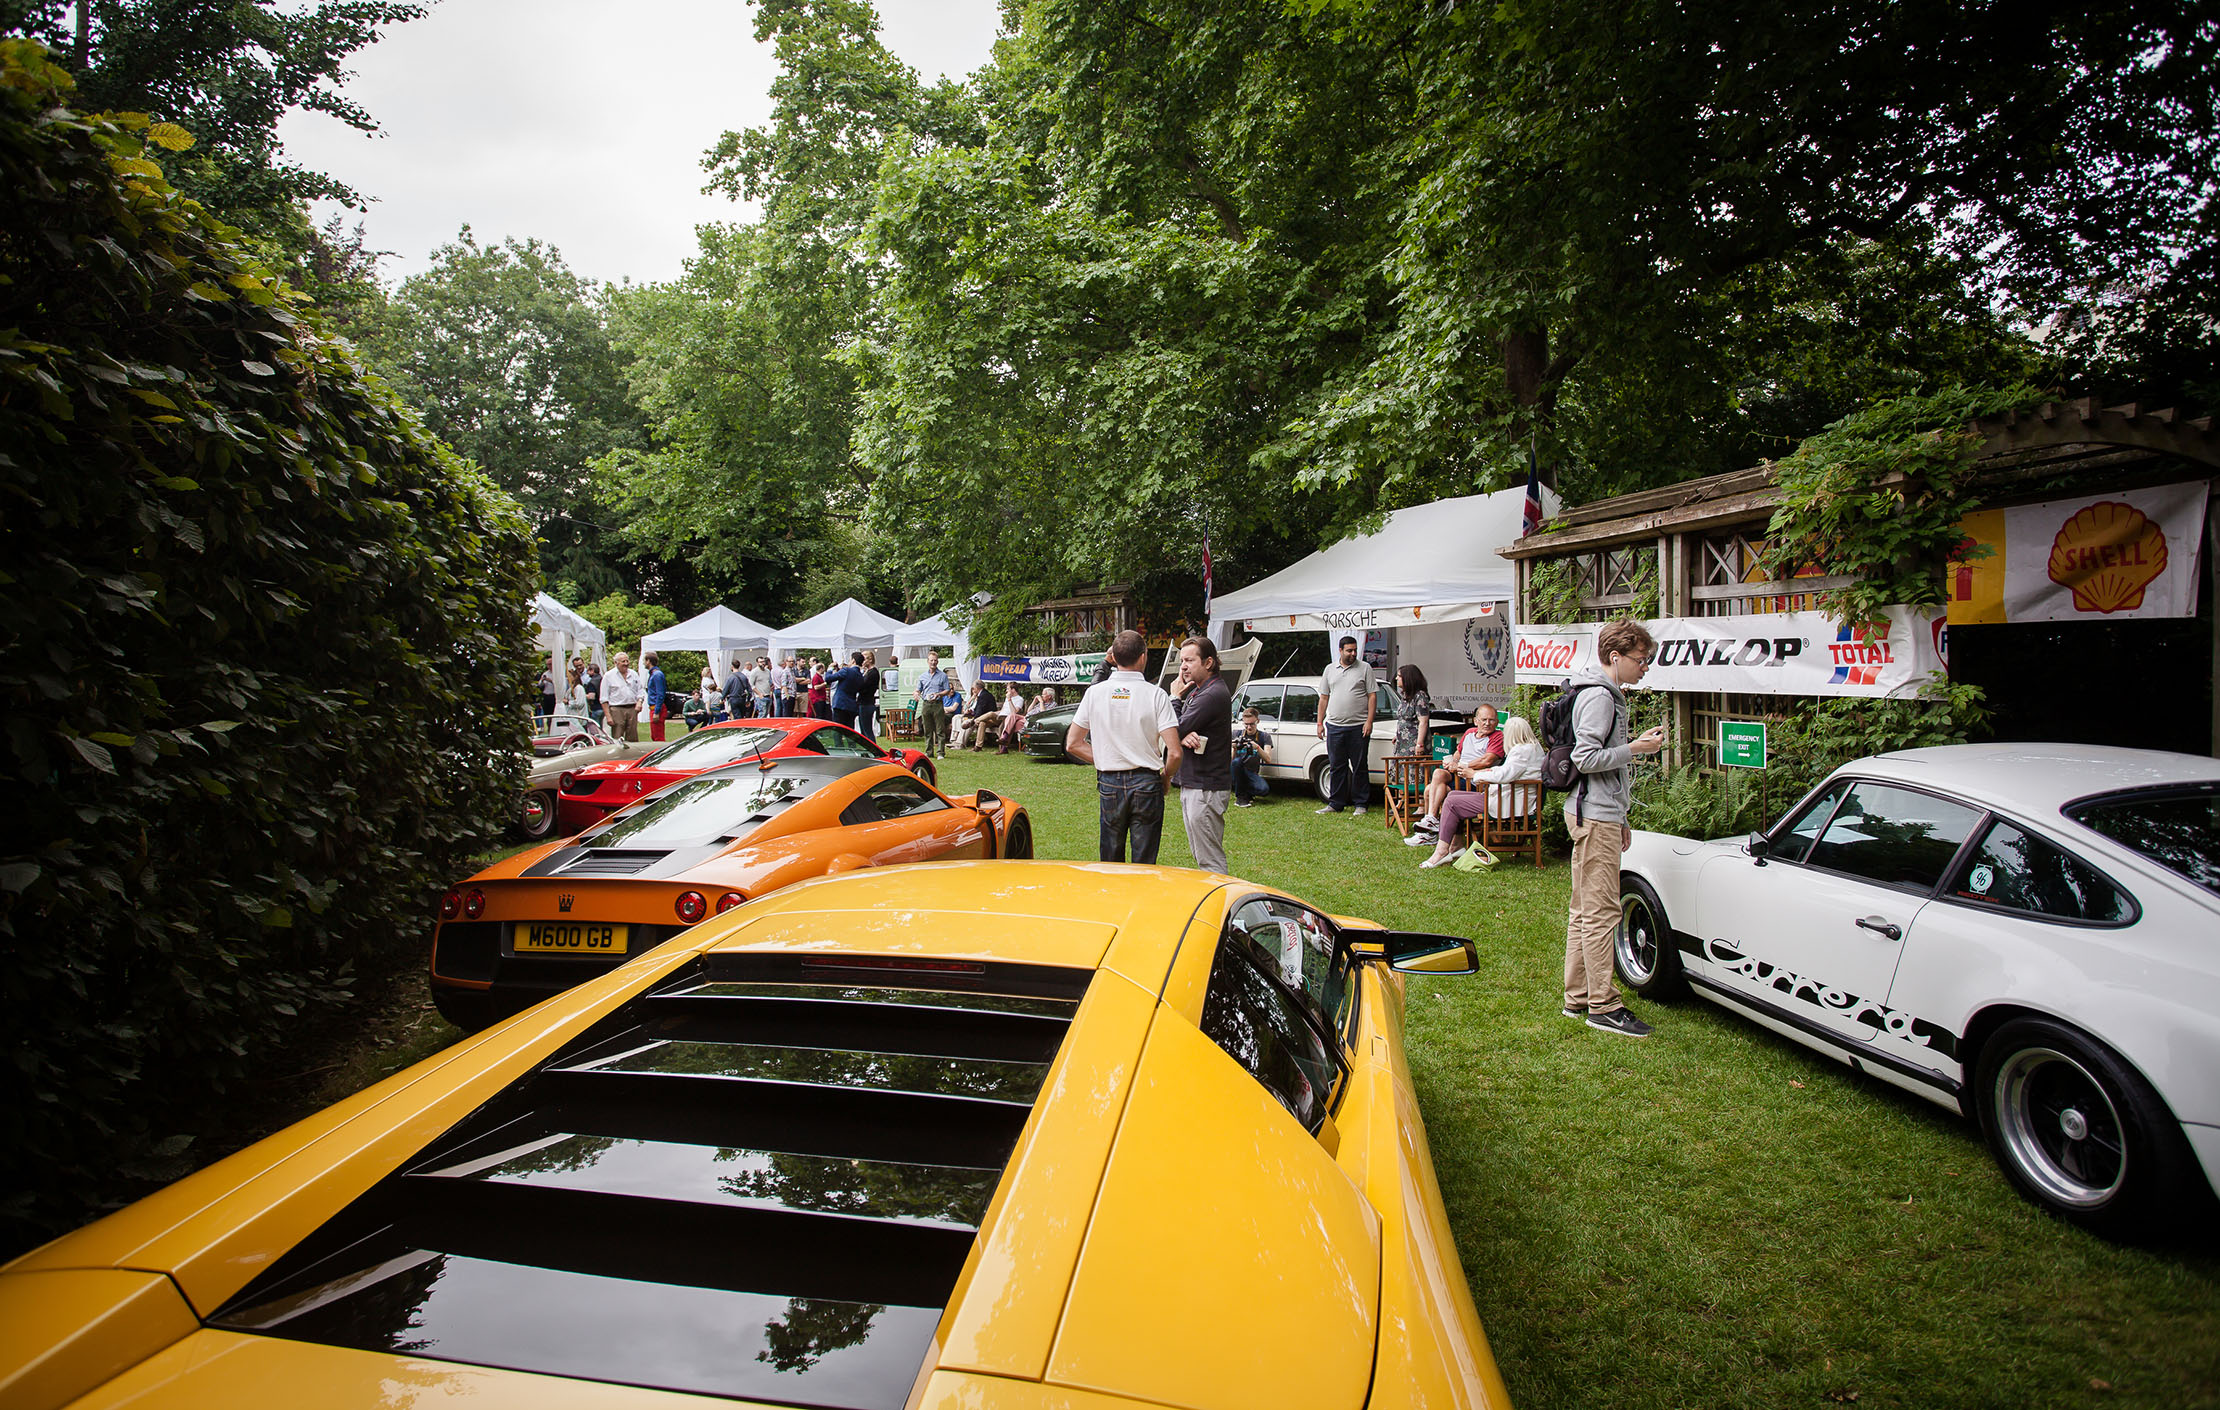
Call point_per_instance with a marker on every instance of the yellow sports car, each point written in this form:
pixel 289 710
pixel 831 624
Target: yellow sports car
pixel 949 1137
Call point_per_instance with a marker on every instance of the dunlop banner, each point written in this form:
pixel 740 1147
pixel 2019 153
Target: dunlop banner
pixel 2129 553
pixel 1773 653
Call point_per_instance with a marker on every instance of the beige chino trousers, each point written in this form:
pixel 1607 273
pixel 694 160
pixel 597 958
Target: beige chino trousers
pixel 1592 918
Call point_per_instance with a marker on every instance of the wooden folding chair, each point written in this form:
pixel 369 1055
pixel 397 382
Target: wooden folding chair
pixel 1405 787
pixel 1519 829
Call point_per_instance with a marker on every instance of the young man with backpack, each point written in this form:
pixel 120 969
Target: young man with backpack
pixel 1586 727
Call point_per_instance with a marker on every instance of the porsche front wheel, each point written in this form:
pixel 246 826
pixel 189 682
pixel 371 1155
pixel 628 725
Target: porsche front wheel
pixel 1642 948
pixel 923 768
pixel 2077 1129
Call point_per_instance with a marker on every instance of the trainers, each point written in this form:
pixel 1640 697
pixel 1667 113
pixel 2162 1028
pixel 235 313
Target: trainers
pixel 1427 825
pixel 1243 803
pixel 1621 1022
pixel 1418 839
pixel 1329 808
pixel 1574 1010
pixel 1357 812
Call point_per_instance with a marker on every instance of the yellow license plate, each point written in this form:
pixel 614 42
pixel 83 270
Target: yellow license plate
pixel 570 937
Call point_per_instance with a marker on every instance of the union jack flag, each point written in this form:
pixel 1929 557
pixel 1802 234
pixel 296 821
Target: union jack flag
pixel 1531 516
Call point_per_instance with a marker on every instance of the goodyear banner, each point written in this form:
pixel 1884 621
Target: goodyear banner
pixel 1771 653
pixel 1047 670
pixel 2130 553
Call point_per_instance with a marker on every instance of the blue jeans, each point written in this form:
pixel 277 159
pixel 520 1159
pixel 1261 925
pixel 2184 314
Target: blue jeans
pixel 1346 783
pixel 1132 805
pixel 1249 780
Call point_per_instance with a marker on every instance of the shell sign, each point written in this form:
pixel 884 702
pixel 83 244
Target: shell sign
pixel 2131 553
pixel 2106 555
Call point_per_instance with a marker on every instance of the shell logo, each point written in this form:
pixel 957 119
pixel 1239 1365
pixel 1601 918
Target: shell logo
pixel 2106 555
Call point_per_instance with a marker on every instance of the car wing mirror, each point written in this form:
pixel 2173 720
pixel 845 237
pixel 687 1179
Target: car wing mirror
pixel 1417 952
pixel 1757 847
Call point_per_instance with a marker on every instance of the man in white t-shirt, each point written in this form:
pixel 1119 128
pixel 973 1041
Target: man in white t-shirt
pixel 1129 730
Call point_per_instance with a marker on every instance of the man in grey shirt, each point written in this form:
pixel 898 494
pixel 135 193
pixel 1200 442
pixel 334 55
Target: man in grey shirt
pixel 1347 700
pixel 1596 816
pixel 1206 734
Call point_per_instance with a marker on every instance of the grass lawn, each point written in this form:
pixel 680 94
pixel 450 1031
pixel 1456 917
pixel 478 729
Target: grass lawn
pixel 1713 1217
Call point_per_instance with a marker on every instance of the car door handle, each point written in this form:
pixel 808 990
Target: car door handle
pixel 1880 927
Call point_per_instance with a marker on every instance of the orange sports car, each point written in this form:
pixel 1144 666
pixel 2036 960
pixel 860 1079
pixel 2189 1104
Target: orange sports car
pixel 549 917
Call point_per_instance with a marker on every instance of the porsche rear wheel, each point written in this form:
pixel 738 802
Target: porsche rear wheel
pixel 2077 1130
pixel 1018 845
pixel 1642 948
pixel 536 815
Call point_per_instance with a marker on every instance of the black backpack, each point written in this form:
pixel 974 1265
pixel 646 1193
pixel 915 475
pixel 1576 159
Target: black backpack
pixel 1558 773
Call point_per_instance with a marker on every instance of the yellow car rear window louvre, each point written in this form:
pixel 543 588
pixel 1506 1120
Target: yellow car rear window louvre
pixel 757 1180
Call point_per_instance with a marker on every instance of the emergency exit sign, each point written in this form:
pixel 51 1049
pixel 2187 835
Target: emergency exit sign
pixel 1742 744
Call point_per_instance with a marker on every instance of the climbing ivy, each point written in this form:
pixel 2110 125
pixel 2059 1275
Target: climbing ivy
pixel 1878 496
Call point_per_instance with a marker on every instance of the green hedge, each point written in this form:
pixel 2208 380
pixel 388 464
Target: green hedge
pixel 261 644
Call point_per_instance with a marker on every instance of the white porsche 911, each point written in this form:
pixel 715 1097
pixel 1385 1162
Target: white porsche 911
pixel 2025 933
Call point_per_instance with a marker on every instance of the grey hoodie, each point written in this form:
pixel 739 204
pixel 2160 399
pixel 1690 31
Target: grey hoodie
pixel 1600 750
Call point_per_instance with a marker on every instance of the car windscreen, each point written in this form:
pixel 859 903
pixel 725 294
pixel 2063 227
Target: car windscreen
pixel 699 810
pixel 2177 828
pixel 713 748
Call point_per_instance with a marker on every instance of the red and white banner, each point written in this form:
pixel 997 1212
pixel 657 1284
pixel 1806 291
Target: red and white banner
pixel 1771 653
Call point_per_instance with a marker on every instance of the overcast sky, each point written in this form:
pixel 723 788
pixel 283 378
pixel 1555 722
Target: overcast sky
pixel 577 121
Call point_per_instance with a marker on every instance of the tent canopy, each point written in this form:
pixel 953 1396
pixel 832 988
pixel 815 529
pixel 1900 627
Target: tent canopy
pixel 933 631
pixel 1429 563
pixel 845 626
pixel 718 629
pixel 561 631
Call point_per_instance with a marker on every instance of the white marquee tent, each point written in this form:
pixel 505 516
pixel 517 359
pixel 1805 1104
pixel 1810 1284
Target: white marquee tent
pixel 1429 563
pixel 562 632
pixel 845 626
pixel 1430 579
pixel 936 631
pixel 720 632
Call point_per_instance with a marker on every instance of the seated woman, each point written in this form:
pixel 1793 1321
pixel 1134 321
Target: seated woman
pixel 1013 735
pixel 1481 748
pixel 1523 761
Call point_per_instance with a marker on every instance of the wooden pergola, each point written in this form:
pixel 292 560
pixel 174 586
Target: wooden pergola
pixel 1701 541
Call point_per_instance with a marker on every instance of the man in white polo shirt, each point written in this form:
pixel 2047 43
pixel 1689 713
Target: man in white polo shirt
pixel 1129 730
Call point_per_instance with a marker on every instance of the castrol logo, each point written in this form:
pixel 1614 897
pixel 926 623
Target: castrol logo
pixel 1546 654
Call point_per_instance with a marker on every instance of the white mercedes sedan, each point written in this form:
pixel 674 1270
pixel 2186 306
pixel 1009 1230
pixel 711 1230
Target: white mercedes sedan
pixel 2028 934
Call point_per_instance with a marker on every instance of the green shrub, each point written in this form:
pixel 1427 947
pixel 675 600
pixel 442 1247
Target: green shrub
pixel 261 644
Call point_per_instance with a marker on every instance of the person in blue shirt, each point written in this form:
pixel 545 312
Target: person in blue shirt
pixel 932 706
pixel 846 684
pixel 658 696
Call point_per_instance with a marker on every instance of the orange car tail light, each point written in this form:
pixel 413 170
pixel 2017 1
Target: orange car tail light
pixel 692 906
pixel 474 903
pixel 450 905
pixel 730 899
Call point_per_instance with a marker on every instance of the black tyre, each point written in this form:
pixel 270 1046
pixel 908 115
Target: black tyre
pixel 1318 775
pixel 923 768
pixel 535 819
pixel 1018 846
pixel 2078 1131
pixel 1642 949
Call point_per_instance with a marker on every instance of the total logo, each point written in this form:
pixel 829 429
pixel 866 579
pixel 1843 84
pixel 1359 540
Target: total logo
pixel 1860 654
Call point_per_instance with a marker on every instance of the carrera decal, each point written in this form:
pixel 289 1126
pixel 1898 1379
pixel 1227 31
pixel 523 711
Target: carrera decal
pixel 1879 1017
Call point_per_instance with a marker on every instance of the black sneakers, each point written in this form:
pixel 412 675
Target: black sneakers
pixel 1621 1022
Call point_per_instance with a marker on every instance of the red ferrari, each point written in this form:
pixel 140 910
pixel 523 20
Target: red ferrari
pixel 585 796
